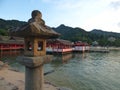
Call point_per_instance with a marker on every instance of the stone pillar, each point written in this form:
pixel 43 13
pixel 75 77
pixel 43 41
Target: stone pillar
pixel 34 78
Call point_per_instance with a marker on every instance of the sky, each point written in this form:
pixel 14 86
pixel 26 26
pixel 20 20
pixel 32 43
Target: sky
pixel 86 14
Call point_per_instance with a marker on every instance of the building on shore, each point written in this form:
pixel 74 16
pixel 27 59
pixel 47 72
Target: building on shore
pixel 80 46
pixel 11 43
pixel 53 46
pixel 58 46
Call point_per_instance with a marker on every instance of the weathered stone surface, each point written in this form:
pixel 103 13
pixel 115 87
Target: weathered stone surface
pixel 31 62
pixel 35 27
pixel 34 47
pixel 34 78
pixel 34 61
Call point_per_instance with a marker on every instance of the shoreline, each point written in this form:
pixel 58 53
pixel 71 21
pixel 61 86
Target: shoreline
pixel 11 80
pixel 15 80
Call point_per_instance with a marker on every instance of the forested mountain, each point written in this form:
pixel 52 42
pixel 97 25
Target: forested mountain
pixel 7 24
pixel 73 34
pixel 104 33
pixel 78 34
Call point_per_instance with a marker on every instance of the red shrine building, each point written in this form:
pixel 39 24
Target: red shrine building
pixel 58 46
pixel 52 45
pixel 81 46
pixel 11 43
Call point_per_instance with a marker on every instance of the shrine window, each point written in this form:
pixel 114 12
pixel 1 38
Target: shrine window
pixel 40 46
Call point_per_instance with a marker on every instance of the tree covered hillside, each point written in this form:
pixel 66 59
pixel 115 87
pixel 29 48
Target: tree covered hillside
pixel 73 34
pixel 77 34
pixel 5 25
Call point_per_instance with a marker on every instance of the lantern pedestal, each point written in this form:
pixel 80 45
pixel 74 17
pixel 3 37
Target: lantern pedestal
pixel 34 78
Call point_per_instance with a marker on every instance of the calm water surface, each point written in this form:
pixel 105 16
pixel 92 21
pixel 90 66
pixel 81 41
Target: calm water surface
pixel 88 71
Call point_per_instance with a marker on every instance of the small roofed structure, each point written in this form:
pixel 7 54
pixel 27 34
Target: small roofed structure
pixel 35 27
pixel 35 33
pixel 58 46
pixel 80 46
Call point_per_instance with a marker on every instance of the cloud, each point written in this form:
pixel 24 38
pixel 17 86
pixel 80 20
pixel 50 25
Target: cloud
pixel 87 14
pixel 108 20
pixel 115 4
pixel 72 4
pixel 68 4
pixel 118 24
pixel 63 4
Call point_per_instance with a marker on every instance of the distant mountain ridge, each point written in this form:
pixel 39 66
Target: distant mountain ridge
pixel 79 34
pixel 6 24
pixel 113 34
pixel 70 33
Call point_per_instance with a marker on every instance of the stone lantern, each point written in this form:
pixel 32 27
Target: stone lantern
pixel 35 33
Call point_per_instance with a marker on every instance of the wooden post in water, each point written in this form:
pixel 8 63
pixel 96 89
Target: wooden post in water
pixel 35 33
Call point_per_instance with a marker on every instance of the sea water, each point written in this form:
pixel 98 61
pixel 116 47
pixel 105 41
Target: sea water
pixel 82 71
pixel 88 71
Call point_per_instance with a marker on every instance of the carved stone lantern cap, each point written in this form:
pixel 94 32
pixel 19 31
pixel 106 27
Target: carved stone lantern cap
pixel 35 27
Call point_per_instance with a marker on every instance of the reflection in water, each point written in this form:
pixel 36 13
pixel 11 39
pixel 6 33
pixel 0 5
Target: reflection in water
pixel 4 54
pixel 88 71
pixel 96 71
pixel 59 60
pixel 65 58
pixel 80 55
pixel 10 58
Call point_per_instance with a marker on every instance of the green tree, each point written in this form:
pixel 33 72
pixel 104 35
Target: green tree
pixel 3 32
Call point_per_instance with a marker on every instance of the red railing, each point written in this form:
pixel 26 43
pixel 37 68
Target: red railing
pixel 11 46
